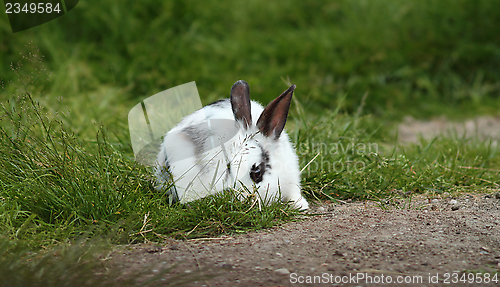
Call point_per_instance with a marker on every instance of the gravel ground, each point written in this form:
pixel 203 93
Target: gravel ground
pixel 440 237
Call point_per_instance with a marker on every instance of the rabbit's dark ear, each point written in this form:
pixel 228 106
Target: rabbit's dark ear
pixel 240 103
pixel 272 120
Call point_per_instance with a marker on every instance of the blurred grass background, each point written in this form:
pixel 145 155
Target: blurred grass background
pixel 420 58
pixel 66 165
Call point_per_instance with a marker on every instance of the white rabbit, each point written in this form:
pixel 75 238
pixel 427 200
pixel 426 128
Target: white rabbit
pixel 222 145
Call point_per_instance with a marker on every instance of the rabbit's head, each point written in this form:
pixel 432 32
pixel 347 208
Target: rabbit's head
pixel 268 160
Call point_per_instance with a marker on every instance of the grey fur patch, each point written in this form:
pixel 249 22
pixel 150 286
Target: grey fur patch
pixel 198 135
pixel 208 135
pixel 228 171
pixel 265 157
pixel 166 179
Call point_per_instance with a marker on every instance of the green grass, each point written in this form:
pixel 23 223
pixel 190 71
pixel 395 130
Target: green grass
pixel 67 172
pixel 351 160
pixel 413 57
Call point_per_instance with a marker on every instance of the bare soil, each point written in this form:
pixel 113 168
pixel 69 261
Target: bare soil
pixel 344 241
pixel 444 241
pixel 485 127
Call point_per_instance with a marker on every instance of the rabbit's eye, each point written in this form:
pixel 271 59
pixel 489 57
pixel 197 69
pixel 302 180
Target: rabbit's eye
pixel 256 172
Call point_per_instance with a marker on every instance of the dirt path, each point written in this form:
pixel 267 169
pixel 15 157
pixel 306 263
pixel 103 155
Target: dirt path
pixel 485 127
pixel 438 242
pixel 445 235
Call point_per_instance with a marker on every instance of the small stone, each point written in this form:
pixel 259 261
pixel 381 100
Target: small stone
pixel 455 208
pixel 435 200
pixel 356 260
pixel 338 253
pixel 321 209
pixel 453 201
pixel 174 247
pixel 282 271
pixel 227 266
pixel 279 254
pixel 154 249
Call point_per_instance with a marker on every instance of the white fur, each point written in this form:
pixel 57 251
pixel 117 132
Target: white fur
pixel 202 174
